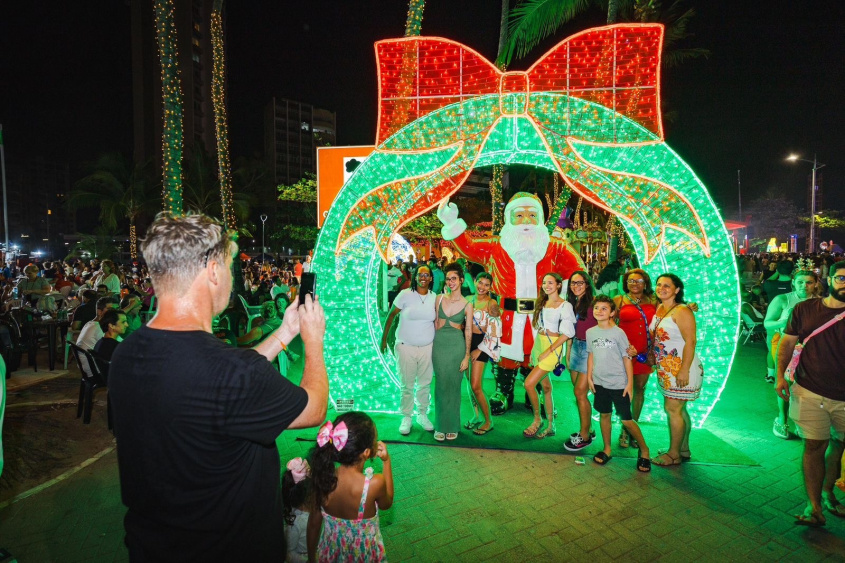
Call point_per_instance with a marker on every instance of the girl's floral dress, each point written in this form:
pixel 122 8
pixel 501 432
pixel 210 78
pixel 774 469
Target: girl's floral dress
pixel 356 540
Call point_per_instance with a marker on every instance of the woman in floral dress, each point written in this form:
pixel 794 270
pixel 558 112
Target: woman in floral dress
pixel 679 371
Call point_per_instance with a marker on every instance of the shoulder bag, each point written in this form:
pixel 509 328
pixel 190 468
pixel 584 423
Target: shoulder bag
pixel 789 373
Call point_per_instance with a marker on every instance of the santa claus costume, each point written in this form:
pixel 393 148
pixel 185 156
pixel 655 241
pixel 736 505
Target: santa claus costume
pixel 517 259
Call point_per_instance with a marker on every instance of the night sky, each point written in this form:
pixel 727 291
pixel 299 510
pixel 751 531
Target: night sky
pixel 774 82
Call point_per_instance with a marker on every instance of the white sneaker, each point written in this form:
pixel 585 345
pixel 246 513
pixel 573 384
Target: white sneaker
pixel 405 427
pixel 423 421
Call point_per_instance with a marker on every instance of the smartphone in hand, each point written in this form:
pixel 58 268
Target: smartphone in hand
pixel 308 285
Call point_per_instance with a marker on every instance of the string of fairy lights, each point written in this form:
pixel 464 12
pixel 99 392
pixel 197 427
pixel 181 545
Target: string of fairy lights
pixel 413 23
pixel 221 126
pixel 591 113
pixel 171 138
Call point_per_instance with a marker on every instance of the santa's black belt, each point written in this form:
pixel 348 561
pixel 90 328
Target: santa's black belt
pixel 519 305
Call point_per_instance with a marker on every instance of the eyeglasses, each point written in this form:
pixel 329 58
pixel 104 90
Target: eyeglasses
pixel 636 282
pixel 455 278
pixel 423 276
pixel 838 279
pixel 578 283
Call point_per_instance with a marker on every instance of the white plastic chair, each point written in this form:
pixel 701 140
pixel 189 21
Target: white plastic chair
pixel 251 312
pixel 70 339
pixel 750 327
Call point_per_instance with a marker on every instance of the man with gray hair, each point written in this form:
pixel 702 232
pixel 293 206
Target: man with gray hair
pixel 196 421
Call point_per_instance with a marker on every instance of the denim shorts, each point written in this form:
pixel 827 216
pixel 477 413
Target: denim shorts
pixel 578 356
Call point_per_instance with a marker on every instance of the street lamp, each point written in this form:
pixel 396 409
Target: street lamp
pixel 263 220
pixel 816 166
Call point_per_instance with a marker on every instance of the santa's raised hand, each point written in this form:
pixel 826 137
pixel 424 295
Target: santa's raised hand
pixel 453 226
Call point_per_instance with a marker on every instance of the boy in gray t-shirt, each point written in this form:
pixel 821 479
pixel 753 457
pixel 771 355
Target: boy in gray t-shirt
pixel 610 375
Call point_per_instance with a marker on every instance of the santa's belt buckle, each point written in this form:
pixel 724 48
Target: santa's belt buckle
pixel 524 305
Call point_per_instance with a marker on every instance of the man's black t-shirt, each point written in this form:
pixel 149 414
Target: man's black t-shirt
pixel 105 347
pixel 820 369
pixel 196 423
pixel 85 312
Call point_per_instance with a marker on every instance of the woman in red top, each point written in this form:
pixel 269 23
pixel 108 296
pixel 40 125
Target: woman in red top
pixel 636 308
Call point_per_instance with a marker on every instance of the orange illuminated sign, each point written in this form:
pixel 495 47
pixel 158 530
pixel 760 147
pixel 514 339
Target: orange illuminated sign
pixel 335 166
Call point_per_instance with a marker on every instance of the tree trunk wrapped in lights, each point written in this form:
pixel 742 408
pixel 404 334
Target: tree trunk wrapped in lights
pixel 221 125
pixel 171 139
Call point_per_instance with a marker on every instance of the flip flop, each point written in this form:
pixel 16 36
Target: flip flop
pixel 837 509
pixel 684 458
pixel 470 425
pixel 809 519
pixel 643 464
pixel 482 431
pixel 658 461
pixel 602 458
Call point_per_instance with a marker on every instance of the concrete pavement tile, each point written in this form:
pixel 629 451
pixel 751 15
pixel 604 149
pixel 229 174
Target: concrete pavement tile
pixel 463 544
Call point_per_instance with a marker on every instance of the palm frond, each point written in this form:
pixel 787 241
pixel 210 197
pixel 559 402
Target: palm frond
pixel 531 21
pixel 675 57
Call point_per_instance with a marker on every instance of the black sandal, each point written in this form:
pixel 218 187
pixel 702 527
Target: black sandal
pixel 602 458
pixel 643 464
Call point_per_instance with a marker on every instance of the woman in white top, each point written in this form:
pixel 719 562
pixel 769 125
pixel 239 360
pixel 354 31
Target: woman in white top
pixel 414 338
pixel 805 285
pixel 679 371
pixel 554 320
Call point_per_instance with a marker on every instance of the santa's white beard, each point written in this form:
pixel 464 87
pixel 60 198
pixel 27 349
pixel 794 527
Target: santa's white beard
pixel 525 243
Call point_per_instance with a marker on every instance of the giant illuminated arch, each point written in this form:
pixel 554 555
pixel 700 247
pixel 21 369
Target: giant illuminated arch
pixel 589 110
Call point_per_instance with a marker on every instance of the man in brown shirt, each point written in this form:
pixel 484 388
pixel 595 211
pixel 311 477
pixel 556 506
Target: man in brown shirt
pixel 818 394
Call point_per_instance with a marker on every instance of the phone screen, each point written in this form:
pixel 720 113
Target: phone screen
pixel 308 285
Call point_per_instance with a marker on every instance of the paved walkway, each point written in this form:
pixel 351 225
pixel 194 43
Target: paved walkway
pixel 455 504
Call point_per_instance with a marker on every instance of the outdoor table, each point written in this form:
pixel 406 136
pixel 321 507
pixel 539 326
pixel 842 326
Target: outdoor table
pixel 53 327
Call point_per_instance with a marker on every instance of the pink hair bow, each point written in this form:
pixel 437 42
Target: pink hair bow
pixel 337 435
pixel 299 468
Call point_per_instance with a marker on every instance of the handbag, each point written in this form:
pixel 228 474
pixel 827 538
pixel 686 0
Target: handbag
pixel 789 373
pixel 651 356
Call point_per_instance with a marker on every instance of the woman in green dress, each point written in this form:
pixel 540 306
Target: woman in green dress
pixel 450 354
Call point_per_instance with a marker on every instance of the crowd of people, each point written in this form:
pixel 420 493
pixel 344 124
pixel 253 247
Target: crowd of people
pixel 212 416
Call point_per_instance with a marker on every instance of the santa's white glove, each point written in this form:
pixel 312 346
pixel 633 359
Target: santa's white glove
pixel 448 214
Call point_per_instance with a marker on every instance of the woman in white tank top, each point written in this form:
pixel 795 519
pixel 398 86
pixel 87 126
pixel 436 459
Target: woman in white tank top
pixel 805 285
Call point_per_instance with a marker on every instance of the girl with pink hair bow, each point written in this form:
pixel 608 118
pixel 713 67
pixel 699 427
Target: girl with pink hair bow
pixel 344 521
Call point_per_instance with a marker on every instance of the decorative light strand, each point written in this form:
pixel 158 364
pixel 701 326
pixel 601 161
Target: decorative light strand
pixel 589 111
pixel 221 127
pixel 171 138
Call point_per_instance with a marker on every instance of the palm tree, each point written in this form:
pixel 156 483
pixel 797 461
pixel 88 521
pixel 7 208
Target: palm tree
pixel 534 20
pixel 172 105
pixel 121 189
pixel 202 188
pixel 218 96
pixel 413 25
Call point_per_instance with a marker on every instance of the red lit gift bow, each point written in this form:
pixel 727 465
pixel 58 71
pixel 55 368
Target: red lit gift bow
pixel 337 435
pixel 616 68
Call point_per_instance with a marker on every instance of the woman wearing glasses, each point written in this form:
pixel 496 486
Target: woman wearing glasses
pixel 414 339
pixel 450 353
pixel 580 293
pixel 636 308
